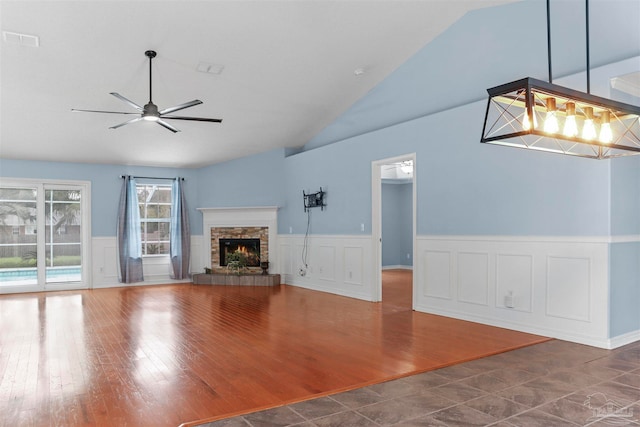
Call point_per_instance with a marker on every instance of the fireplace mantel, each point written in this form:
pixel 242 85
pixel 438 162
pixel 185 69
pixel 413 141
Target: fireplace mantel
pixel 255 216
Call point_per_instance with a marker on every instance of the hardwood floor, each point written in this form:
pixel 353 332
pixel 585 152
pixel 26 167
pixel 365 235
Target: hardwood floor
pixel 166 355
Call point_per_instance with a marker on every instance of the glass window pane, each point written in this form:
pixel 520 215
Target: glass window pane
pixel 63 235
pixel 18 251
pixel 163 231
pixel 164 211
pixel 152 211
pixel 142 193
pixel 152 231
pixel 164 247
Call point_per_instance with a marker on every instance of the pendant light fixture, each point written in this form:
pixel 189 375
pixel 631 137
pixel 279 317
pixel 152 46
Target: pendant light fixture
pixel 539 115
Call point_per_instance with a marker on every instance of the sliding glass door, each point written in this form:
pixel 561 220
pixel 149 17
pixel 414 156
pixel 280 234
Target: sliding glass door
pixel 63 235
pixel 43 236
pixel 18 237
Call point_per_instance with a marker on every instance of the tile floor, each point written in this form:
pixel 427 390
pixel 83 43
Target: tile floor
pixel 555 383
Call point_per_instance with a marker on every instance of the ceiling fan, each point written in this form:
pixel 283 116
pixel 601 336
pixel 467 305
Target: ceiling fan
pixel 150 110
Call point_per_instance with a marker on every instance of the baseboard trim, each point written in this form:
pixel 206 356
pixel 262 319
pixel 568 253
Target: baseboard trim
pixel 580 339
pixel 145 283
pixel 624 339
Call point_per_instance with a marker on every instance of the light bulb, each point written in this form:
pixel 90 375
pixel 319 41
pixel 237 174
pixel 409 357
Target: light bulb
pixel 150 118
pixel 551 121
pixel 570 126
pixel 526 124
pixel 605 128
pixel 589 129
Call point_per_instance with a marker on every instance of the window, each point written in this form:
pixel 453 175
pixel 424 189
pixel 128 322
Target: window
pixel 44 235
pixel 155 218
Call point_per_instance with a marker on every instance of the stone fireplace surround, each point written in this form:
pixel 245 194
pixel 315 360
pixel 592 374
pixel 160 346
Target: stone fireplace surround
pixel 218 233
pixel 242 222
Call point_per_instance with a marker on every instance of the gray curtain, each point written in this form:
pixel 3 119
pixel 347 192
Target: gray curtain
pixel 129 235
pixel 180 248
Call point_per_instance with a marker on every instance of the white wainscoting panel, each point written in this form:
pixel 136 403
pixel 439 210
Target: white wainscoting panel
pixel 437 270
pixel 569 288
pixel 514 278
pixel 327 263
pixel 157 270
pixel 560 285
pixel 473 277
pixel 353 265
pixel 335 264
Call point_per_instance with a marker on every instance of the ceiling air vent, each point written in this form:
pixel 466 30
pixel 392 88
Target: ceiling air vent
pixel 21 39
pixel 205 67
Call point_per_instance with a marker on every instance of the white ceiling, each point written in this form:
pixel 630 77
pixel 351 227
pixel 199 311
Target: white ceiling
pixel 288 72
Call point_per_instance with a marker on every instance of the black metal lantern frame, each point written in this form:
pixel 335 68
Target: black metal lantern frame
pixel 538 115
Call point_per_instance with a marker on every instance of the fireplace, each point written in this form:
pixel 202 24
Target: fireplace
pixel 249 247
pixel 240 223
pixel 251 241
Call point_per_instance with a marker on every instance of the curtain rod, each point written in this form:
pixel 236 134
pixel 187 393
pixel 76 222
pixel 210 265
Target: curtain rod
pixel 153 177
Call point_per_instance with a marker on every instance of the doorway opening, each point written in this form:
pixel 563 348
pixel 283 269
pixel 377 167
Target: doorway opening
pixel 393 228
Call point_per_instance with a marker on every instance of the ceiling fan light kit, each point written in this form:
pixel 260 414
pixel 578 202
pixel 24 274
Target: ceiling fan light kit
pixel 150 112
pixel 539 115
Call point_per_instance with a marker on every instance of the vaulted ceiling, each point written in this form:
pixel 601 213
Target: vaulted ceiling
pixel 289 69
pixel 291 72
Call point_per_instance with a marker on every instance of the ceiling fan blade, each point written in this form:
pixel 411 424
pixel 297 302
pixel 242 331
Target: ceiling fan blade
pixel 126 123
pixel 197 119
pixel 122 98
pixel 76 110
pixel 181 106
pixel 168 126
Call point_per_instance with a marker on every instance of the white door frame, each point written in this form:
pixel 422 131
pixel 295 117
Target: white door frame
pixel 376 222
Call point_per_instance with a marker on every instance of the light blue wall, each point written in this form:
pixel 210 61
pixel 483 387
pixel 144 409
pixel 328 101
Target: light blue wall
pixel 345 176
pixel 624 267
pixel 463 187
pixel 250 181
pixel 105 186
pixel 625 196
pixel 397 233
pixel 624 273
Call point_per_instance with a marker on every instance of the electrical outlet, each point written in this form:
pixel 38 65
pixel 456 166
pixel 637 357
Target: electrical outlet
pixel 302 272
pixel 509 300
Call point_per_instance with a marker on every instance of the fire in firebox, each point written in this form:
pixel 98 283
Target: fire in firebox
pixel 249 247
